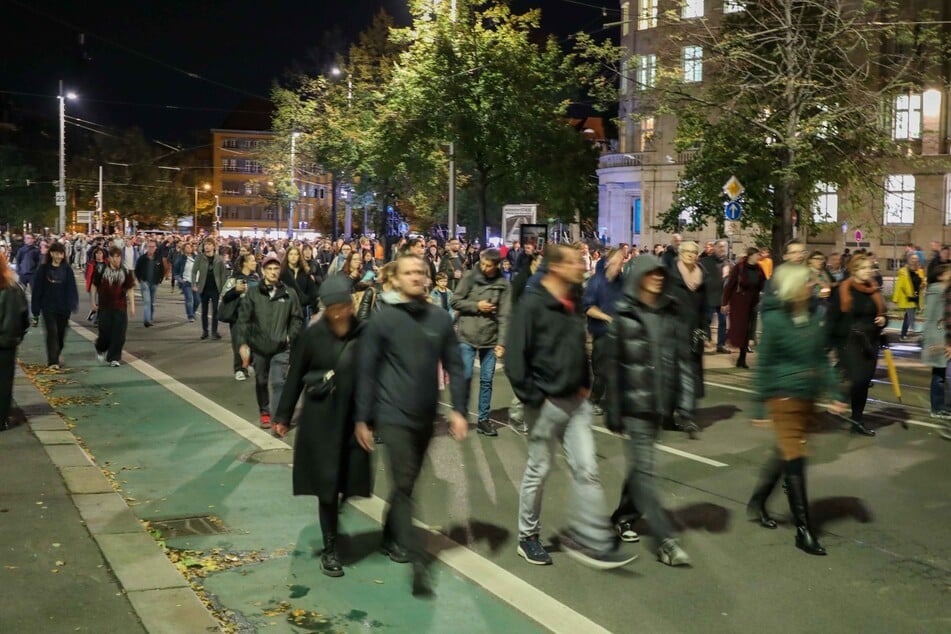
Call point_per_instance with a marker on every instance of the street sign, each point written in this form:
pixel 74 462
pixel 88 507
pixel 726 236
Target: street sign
pixel 731 228
pixel 60 198
pixel 403 227
pixel 732 210
pixel 858 235
pixel 733 188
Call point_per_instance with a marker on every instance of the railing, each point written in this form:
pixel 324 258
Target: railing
pixel 621 160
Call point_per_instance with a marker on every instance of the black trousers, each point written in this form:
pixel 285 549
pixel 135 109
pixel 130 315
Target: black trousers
pixel 112 328
pixel 405 447
pixel 8 361
pixel 598 384
pixel 236 362
pixel 55 326
pixel 205 299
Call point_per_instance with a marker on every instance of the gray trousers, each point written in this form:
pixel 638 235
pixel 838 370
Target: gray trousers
pixel 569 421
pixel 639 492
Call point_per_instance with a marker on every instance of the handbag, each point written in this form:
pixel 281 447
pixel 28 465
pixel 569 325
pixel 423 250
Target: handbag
pixel 319 384
pixel 228 311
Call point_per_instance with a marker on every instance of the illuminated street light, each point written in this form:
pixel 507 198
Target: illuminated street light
pixel 61 191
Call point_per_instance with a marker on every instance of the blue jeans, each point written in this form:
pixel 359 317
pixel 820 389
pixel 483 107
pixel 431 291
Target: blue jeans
pixel 567 420
pixel 486 374
pixel 148 301
pixel 908 322
pixel 270 375
pixel 721 324
pixel 191 299
pixel 938 382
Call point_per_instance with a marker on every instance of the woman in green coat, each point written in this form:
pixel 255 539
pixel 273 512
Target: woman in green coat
pixel 793 369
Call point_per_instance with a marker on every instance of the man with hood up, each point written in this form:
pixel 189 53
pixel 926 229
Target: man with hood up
pixel 650 378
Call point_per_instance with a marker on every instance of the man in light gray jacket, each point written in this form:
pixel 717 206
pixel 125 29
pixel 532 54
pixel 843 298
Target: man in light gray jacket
pixel 481 303
pixel 208 278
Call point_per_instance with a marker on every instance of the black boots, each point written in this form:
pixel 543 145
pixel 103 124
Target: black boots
pixel 799 506
pixel 769 476
pixel 329 563
pixel 859 428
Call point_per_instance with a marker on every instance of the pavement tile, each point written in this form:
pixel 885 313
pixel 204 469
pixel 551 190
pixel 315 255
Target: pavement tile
pixel 68 456
pixel 55 437
pixel 106 513
pixel 172 611
pixel 138 561
pixel 86 480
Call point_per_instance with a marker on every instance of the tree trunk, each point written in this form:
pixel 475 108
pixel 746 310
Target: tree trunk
pixel 482 213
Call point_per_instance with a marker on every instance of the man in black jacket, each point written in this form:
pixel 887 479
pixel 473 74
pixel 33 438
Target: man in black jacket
pixel 268 321
pixel 716 270
pixel 398 395
pixel 149 272
pixel 650 377
pixel 547 365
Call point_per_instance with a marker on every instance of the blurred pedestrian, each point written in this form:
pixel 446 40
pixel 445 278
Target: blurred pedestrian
pixel 14 323
pixel 933 352
pixel 182 269
pixel 909 286
pixel 741 294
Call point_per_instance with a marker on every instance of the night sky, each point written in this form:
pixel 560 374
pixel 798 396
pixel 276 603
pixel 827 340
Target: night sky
pixel 138 56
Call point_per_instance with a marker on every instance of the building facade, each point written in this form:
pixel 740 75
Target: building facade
pixel 638 182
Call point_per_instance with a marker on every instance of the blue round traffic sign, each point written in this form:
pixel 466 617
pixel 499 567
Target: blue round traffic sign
pixel 732 210
pixel 404 227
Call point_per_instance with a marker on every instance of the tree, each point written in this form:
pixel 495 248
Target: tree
pixel 801 99
pixel 22 197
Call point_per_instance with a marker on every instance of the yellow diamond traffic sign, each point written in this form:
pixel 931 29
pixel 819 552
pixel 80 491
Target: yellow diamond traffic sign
pixel 733 188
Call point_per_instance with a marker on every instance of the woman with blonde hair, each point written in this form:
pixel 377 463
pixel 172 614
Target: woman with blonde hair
pixel 793 370
pixel 855 322
pixel 14 322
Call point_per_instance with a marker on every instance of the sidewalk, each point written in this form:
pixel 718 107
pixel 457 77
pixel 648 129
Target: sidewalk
pixel 74 558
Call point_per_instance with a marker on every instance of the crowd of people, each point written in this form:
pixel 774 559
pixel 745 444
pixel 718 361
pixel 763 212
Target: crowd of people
pixel 367 337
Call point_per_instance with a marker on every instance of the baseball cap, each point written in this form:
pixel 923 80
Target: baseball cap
pixel 270 258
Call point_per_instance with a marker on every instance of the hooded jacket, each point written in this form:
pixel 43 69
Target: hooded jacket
pixel 649 365
pixel 545 349
pixel 268 323
pixel 478 329
pixel 397 361
pixel 604 294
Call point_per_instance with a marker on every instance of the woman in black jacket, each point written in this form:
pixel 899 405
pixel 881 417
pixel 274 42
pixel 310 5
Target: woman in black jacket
pixel 296 275
pixel 688 286
pixel 245 277
pixel 55 297
pixel 328 462
pixel 14 322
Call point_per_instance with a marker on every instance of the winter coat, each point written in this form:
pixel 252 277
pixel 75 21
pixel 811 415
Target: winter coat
pixel 933 330
pixel 450 265
pixel 854 335
pixel 741 293
pixel 27 260
pixel 905 294
pixel 692 306
pixel 792 357
pixel 268 324
pixel 147 270
pixel 327 458
pixel 481 330
pixel 303 284
pixel 604 294
pixel 200 273
pixel 713 279
pixel 14 316
pixel 54 290
pixel 649 366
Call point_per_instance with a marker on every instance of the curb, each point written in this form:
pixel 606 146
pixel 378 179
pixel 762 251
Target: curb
pixel 160 596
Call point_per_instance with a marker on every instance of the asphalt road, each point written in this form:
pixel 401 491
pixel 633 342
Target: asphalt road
pixel 883 506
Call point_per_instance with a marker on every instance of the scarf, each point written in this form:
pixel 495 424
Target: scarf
pixel 869 288
pixel 693 279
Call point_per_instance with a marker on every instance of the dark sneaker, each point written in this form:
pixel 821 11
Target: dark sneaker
pixel 521 427
pixel 625 530
pixel 485 428
pixel 672 554
pixel 691 429
pixel 599 560
pixel 215 335
pixel 395 552
pixel 533 552
pixel 204 335
pixel 330 564
pixel 723 350
pixel 422 581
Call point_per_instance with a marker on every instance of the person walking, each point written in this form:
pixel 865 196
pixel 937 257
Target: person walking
pixel 793 370
pixel 933 352
pixel 854 324
pixel 716 270
pixel 452 263
pixel 397 395
pixel 114 300
pixel 688 287
pixel 245 277
pixel 269 319
pixel 149 271
pixel 55 297
pixel 182 269
pixel 208 278
pixel 328 461
pixel 599 303
pixel 14 323
pixel 27 260
pixel 481 305
pixel 547 367
pixel 740 297
pixel 651 378
pixel 909 286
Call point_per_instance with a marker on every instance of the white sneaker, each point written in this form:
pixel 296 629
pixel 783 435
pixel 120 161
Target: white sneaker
pixel 101 357
pixel 115 364
pixel 239 376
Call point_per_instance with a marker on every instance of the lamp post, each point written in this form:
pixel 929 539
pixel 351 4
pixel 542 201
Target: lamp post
pixel 290 204
pixel 61 191
pixel 206 187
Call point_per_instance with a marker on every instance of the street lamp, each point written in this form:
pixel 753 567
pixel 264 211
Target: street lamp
pixel 61 192
pixel 206 187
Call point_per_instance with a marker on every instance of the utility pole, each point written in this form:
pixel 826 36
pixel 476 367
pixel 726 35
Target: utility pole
pixel 61 191
pixel 100 203
pixel 452 190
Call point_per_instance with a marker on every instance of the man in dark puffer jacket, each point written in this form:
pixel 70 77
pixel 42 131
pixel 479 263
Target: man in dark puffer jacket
pixel 649 378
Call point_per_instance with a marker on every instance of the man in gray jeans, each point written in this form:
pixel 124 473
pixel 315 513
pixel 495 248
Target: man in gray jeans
pixel 547 366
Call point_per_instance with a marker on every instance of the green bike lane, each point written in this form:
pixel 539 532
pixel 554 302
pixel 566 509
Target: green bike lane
pixel 255 554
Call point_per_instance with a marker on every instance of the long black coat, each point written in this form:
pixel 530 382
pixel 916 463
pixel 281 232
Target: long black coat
pixel 693 307
pixel 327 458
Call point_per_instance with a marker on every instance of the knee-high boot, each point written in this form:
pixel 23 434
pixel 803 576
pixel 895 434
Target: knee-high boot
pixel 768 477
pixel 799 506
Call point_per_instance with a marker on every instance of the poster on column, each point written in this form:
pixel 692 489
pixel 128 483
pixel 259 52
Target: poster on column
pixel 513 217
pixel 533 234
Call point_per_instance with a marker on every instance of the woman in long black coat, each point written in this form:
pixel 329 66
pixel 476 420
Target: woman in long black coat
pixel 328 462
pixel 687 285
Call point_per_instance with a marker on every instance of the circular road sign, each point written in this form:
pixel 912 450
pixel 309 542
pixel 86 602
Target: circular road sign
pixel 732 210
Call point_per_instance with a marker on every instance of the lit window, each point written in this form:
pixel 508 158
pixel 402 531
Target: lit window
pixel 907 118
pixel 646 134
pixel 692 9
pixel 733 6
pixel 647 16
pixel 646 71
pixel 826 206
pixel 900 199
pixel 693 63
pixel 625 18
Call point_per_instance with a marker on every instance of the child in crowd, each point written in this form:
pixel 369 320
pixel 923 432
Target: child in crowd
pixel 441 296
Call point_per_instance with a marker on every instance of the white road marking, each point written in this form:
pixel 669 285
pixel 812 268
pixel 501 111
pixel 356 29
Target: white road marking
pixel 535 604
pixel 670 450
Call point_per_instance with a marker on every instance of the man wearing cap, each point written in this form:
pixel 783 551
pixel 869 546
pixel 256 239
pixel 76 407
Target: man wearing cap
pixel 267 323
